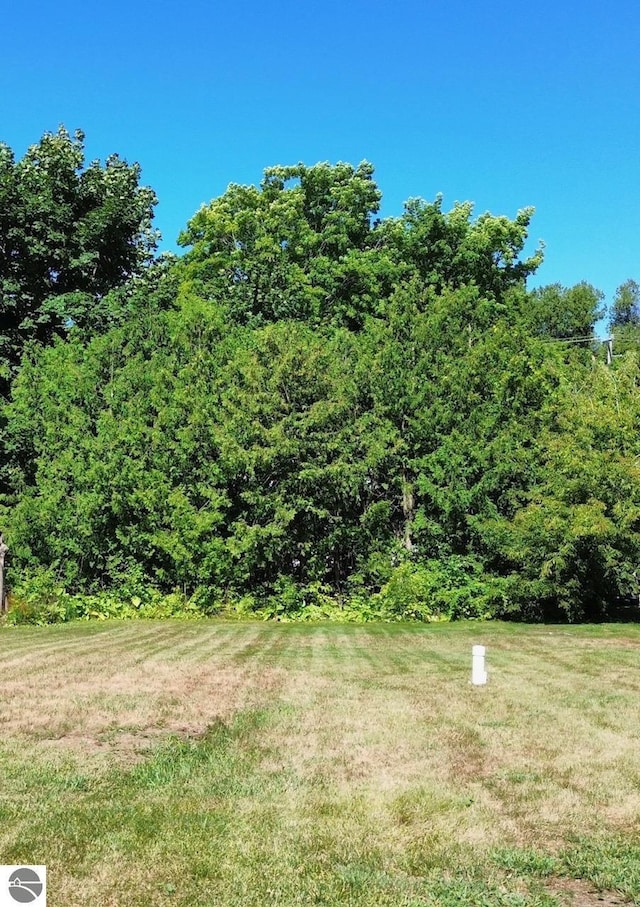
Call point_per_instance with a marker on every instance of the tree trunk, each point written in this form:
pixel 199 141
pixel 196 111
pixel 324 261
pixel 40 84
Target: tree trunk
pixel 3 598
pixel 408 509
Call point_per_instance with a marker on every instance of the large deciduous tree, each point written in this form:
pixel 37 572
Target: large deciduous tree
pixel 299 246
pixel 306 245
pixel 452 249
pixel 69 234
pixel 563 313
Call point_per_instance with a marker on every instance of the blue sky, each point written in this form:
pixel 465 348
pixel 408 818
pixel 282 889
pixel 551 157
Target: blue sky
pixel 504 104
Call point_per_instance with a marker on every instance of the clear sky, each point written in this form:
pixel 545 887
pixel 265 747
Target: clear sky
pixel 505 104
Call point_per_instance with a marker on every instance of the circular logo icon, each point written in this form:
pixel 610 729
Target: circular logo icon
pixel 25 885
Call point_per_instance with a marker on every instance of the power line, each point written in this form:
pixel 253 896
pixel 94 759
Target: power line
pixel 577 339
pixel 591 339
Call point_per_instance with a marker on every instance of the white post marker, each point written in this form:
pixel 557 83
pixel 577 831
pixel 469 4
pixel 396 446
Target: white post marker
pixel 478 671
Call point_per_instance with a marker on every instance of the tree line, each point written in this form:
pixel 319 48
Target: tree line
pixel 311 411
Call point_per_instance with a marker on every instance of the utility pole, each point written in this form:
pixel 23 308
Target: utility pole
pixel 609 342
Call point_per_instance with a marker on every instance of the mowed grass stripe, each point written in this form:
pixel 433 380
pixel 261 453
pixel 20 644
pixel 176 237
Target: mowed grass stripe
pixel 351 765
pixel 137 640
pixel 124 689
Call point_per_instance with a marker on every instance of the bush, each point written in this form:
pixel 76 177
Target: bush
pixel 313 601
pixel 452 588
pixel 449 589
pixel 40 599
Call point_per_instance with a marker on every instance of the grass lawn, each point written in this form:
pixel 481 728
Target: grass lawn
pixel 249 764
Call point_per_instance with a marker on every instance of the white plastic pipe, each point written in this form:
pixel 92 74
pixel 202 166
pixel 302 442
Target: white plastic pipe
pixel 478 671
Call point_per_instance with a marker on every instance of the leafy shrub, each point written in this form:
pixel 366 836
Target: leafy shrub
pixel 452 588
pixel 104 606
pixel 448 589
pixel 290 601
pixel 40 599
pixel 173 605
pixel 313 601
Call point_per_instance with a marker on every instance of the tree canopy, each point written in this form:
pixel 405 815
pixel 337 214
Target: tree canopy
pixel 306 245
pixel 69 233
pixel 314 408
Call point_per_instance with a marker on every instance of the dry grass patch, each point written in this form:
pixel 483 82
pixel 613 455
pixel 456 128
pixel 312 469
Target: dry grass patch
pixel 530 755
pixel 323 765
pixel 119 690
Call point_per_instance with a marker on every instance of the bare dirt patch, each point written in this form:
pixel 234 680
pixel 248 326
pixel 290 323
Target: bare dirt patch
pixel 576 893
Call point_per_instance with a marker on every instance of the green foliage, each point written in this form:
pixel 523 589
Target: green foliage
pixel 624 319
pixel 40 598
pixel 574 543
pixel 300 246
pixel 563 313
pixel 626 306
pixel 317 414
pixel 68 235
pixel 449 588
pixel 305 246
pixel 450 250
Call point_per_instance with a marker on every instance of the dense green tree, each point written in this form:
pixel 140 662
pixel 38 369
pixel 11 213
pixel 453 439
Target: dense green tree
pixel 624 319
pixel 299 246
pixel 467 394
pixel 312 401
pixel 574 544
pixel 204 457
pixel 626 306
pixel 451 249
pixel 563 313
pixel 305 245
pixel 69 233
